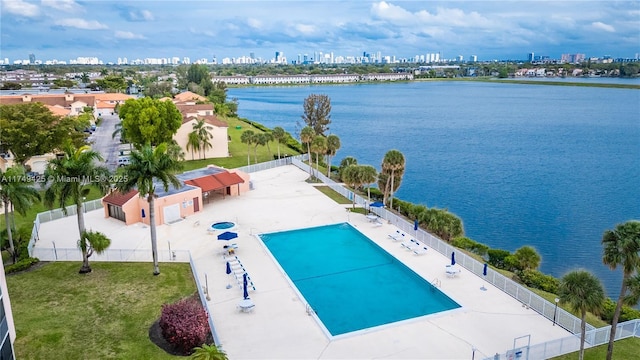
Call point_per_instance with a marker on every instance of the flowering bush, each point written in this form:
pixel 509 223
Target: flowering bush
pixel 184 324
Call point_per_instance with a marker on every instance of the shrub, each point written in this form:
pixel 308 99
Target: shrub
pixel 609 308
pixel 184 324
pixel 23 264
pixel 497 257
pixel 538 280
pixel 471 245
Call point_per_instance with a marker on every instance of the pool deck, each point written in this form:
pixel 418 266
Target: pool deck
pixel 279 327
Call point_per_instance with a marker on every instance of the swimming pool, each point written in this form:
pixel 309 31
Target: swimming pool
pixel 350 282
pixel 222 225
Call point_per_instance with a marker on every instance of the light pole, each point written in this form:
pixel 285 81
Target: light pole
pixel 555 311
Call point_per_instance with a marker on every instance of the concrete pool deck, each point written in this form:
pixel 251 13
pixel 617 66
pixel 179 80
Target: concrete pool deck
pixel 279 327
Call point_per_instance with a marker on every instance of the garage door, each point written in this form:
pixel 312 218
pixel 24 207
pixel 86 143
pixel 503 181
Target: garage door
pixel 171 213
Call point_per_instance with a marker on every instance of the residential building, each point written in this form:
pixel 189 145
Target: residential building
pixel 7 326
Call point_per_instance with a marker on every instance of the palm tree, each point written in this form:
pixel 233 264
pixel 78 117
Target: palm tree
pixel 346 162
pixel 369 176
pixel 208 352
pixel 527 258
pixel 393 162
pixel 15 192
pixel 352 176
pixel 147 166
pixel 248 137
pixel 73 174
pixel 318 146
pixel 333 145
pixel 279 135
pixel 583 292
pixel 193 142
pixel 621 247
pixel 202 129
pixel 268 137
pixel 306 137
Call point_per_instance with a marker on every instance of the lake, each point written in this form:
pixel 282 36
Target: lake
pixel 548 166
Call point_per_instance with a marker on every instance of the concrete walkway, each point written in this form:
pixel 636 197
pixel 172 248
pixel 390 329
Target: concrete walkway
pixel 279 327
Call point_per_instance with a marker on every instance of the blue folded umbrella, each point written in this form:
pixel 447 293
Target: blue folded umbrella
pixel 227 235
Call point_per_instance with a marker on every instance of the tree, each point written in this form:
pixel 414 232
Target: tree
pixel 368 176
pixel 583 292
pixel 193 142
pixel 15 192
pixel 150 121
pixel 202 130
pixel 352 176
pixel 346 162
pixel 248 137
pixel 279 135
pixel 333 145
pixel 148 166
pixel 208 352
pixel 527 258
pixel 317 113
pixel 112 83
pixel 73 174
pixel 621 247
pixel 306 137
pixel 30 129
pixel 393 162
pixel 318 147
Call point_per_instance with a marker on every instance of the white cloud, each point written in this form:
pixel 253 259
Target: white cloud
pixel 140 15
pixel 64 5
pixel 254 23
pixel 147 15
pixel 305 29
pixel 208 33
pixel 128 35
pixel 20 8
pixel 602 26
pixel 388 11
pixel 81 24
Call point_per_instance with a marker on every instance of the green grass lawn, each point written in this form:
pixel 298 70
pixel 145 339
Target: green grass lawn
pixel 102 315
pixel 238 150
pixel 334 195
pixel 622 350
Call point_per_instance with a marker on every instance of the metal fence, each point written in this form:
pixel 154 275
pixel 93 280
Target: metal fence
pixel 123 255
pixel 203 291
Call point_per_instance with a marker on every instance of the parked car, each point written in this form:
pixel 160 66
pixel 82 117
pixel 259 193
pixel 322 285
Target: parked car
pixel 123 160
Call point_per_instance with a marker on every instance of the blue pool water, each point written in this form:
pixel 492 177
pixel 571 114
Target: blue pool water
pixel 349 281
pixel 223 225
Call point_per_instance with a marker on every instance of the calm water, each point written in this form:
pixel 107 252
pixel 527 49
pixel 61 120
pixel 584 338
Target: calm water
pixel 547 166
pixel 350 282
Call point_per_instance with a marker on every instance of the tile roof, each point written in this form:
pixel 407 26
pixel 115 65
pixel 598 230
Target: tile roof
pixel 188 95
pixel 117 198
pixel 113 97
pixel 206 183
pixel 209 119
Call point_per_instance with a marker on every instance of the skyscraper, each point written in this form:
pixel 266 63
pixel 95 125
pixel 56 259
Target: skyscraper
pixel 32 59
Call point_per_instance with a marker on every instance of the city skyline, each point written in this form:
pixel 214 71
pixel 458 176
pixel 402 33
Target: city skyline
pixel 490 30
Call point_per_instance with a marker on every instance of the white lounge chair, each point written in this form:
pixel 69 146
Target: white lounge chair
pixel 452 270
pixel 411 245
pixel 420 250
pixel 398 236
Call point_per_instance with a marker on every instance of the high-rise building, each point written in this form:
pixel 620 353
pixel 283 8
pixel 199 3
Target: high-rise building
pixel 473 58
pixel 32 59
pixel 531 57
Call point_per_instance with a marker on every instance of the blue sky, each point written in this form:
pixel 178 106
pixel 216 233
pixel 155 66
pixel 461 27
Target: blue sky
pixel 66 29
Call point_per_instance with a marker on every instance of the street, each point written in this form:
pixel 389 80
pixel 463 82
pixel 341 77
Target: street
pixel 102 142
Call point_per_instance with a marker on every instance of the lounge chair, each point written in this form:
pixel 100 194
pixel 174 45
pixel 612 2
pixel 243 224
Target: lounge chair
pixel 410 245
pixel 420 251
pixel 397 236
pixel 452 270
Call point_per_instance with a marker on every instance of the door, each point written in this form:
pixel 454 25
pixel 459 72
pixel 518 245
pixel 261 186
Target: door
pixel 196 204
pixel 171 213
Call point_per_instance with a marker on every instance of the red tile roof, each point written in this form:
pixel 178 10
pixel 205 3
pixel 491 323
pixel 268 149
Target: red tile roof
pixel 215 181
pixel 118 198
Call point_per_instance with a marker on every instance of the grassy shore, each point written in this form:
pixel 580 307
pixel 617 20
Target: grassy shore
pixel 622 350
pixel 537 82
pixel 102 315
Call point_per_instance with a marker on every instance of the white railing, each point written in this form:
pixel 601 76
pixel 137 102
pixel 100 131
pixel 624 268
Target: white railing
pixel 594 337
pixel 271 164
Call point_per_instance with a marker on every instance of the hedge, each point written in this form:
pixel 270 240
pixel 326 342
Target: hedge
pixel 21 265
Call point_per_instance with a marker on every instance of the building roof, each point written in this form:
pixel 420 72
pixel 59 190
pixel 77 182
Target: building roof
pixel 228 178
pixel 210 178
pixel 64 100
pixel 188 95
pixel 193 107
pixel 113 97
pixel 206 183
pixel 118 199
pixel 58 110
pixel 209 119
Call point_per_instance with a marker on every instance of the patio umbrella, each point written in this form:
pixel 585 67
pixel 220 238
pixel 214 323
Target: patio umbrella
pixel 376 204
pixel 453 258
pixel 484 273
pixel 228 268
pixel 245 291
pixel 227 235
pixel 415 225
pixel 143 213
